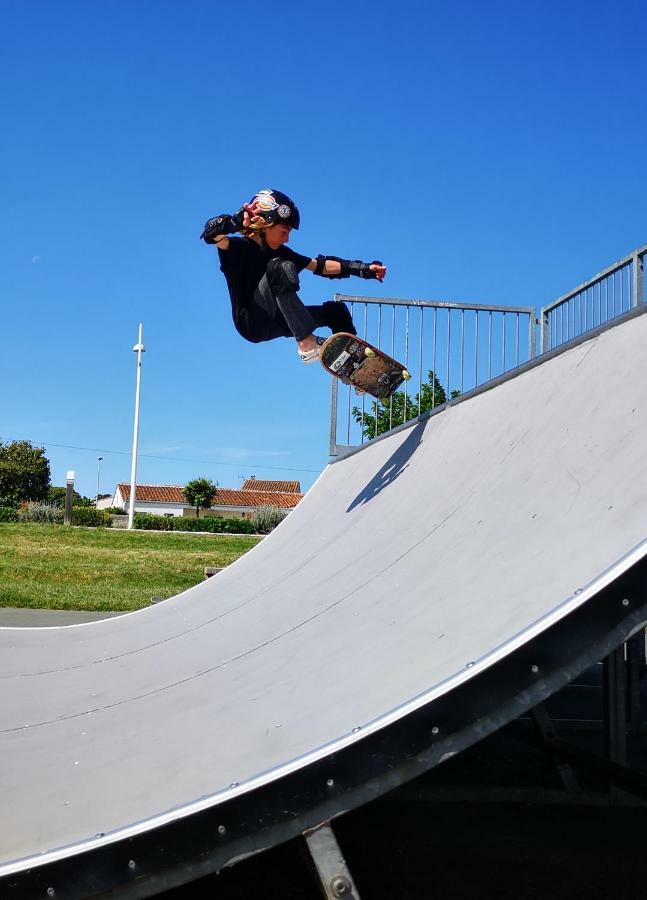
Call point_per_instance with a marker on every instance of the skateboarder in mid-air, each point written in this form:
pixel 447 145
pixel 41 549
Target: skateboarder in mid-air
pixel 263 274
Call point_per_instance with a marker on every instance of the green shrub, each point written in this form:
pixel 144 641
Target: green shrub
pixel 266 518
pixel 150 522
pixel 8 514
pixel 45 513
pixel 115 511
pixel 213 524
pixel 88 515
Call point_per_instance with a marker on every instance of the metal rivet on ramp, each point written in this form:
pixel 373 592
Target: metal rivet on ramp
pixel 330 782
pixel 50 891
pixel 357 728
pixel 132 864
pixel 625 602
pixel 534 669
pixel 221 829
pixel 339 886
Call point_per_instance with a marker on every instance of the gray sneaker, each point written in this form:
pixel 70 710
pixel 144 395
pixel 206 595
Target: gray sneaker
pixel 309 356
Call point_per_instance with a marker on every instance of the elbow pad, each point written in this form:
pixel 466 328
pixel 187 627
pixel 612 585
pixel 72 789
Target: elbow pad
pixel 221 225
pixel 321 262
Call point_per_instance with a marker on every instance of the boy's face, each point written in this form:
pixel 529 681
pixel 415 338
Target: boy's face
pixel 277 235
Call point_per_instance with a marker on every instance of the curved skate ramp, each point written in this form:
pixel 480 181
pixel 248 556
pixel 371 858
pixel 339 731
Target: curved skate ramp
pixel 408 570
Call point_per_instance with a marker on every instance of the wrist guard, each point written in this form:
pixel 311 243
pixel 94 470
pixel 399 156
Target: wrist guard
pixel 348 267
pixel 222 225
pixel 363 270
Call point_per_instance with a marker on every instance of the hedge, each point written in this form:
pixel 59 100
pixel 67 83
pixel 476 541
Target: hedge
pixel 215 524
pixel 8 514
pixel 88 515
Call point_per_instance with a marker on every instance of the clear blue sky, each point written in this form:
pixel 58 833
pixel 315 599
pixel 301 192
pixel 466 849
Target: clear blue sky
pixel 486 152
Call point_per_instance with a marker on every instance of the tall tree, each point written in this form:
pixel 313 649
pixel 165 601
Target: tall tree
pixel 200 493
pixel 24 473
pixel 400 407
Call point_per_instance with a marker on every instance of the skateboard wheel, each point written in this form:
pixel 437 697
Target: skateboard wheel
pixel 406 375
pixel 369 353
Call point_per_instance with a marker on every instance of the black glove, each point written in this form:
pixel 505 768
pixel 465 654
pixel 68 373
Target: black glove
pixel 224 224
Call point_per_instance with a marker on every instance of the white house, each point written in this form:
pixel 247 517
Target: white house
pixel 231 503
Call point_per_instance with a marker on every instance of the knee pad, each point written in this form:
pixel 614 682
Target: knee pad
pixel 282 276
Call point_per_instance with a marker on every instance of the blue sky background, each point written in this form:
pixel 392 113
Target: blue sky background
pixel 486 152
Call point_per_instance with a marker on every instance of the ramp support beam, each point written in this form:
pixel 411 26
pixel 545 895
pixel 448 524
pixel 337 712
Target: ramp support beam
pixel 546 729
pixel 334 874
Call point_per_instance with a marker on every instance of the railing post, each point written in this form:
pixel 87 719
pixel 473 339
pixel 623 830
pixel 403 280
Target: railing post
pixel 333 416
pixel 638 282
pixel 544 333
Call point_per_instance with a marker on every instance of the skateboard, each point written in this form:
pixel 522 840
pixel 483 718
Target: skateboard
pixel 367 368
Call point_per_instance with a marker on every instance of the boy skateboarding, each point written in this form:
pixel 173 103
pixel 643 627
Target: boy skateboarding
pixel 262 274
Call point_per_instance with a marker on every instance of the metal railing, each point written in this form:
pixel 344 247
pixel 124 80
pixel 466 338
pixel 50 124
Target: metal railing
pixel 609 294
pixel 451 348
pixel 448 349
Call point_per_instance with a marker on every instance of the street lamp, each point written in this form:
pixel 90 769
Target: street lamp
pixel 99 458
pixel 138 349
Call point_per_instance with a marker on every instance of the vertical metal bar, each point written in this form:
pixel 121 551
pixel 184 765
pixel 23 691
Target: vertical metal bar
pixel 532 337
pixel 420 351
pixel 376 403
pixel 433 387
pixel 393 355
pixel 503 369
pixel 542 324
pixel 606 299
pixel 334 384
pixel 406 362
pixel 489 346
pixel 462 351
pixel 517 340
pixel 639 279
pixel 615 706
pixel 449 336
pixel 635 663
pixel 476 348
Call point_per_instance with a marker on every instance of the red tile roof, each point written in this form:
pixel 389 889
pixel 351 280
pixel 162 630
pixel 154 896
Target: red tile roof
pixel 281 487
pixel 162 493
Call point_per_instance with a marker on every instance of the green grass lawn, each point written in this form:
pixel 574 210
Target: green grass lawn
pixel 54 567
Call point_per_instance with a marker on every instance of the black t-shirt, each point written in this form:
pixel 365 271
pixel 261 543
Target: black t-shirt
pixel 243 265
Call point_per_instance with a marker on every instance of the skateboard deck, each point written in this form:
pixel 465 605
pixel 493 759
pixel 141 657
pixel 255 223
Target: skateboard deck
pixel 356 362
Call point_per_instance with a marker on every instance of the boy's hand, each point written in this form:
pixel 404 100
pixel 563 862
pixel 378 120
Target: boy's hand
pixel 251 218
pixel 379 269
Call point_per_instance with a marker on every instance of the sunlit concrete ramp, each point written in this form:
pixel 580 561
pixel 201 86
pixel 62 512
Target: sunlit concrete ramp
pixel 428 589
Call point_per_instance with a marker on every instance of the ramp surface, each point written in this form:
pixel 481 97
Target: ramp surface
pixel 407 569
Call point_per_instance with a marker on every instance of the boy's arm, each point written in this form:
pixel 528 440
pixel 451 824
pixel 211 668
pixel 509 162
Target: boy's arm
pixel 334 267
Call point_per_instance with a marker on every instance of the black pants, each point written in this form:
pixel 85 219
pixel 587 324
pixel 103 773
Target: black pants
pixel 272 315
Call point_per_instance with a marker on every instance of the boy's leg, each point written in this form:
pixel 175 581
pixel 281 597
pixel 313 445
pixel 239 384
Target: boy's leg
pixel 333 315
pixel 277 293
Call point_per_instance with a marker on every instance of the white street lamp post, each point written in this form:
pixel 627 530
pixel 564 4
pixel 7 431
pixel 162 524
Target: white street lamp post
pixel 138 349
pixel 96 502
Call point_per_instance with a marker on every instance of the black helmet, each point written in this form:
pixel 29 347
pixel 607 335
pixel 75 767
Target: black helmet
pixel 275 206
